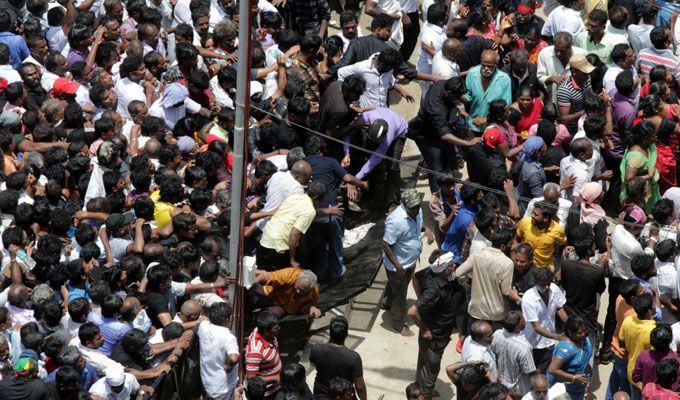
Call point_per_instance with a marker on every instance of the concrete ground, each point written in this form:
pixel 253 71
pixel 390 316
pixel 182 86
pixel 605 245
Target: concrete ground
pixel 389 360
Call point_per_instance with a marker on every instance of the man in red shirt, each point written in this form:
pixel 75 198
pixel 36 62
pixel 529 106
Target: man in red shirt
pixel 262 353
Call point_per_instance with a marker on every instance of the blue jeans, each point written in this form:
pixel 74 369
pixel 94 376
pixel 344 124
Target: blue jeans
pixel 618 380
pixel 635 393
pixel 575 391
pixel 439 156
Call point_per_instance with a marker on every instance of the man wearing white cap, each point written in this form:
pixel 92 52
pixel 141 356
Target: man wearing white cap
pixel 116 385
pixel 572 92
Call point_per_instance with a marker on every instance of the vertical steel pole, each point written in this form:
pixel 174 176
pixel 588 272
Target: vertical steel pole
pixel 242 112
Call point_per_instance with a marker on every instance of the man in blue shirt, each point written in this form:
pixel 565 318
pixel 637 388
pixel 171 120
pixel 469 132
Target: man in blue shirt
pixel 454 237
pixel 18 50
pixel 70 356
pixel 401 250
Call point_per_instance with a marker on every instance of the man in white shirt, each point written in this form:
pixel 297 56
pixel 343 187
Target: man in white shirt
pixel 433 36
pixel 116 385
pixel 37 45
pixel 639 34
pixel 553 62
pixel 377 72
pixel 89 342
pixel 551 194
pixel 6 70
pixel 60 22
pixel 444 61
pixel 565 18
pixel 623 59
pixel 593 131
pixel 219 352
pixel 575 165
pixel 476 346
pixel 175 104
pixel 55 68
pixel 540 305
pixel 128 88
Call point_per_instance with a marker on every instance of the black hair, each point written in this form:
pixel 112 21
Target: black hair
pixel 625 83
pixel 512 320
pixel 266 321
pixel 87 332
pixel 338 329
pixel 390 58
pixel 78 309
pixel 662 211
pixel 501 236
pixel 468 193
pixel 658 37
pixel 583 240
pixel 381 20
pixel 667 373
pixel 543 276
pixel 643 304
pixel 219 313
pixel 641 265
pixel 665 250
pixel 661 337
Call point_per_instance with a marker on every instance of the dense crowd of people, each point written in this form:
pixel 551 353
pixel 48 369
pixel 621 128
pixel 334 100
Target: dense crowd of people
pixel 116 132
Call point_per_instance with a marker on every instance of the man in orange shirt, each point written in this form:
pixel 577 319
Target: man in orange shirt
pixel 288 291
pixel 618 380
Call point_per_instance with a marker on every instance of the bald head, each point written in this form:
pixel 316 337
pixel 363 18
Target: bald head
pixel 489 56
pixel 539 386
pixel 191 310
pixel 451 48
pixel 302 172
pixel 18 295
pixel 131 305
pixel 620 396
pixel 481 332
pixel 151 148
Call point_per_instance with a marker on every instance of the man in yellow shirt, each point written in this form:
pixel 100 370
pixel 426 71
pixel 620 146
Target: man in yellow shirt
pixel 282 233
pixel 634 336
pixel 543 231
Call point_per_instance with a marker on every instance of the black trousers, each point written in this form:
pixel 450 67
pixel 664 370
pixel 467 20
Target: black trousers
pixel 430 354
pixel 614 290
pixel 271 260
pixel 410 36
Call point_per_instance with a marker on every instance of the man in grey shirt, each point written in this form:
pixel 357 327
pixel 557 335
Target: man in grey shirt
pixel 514 361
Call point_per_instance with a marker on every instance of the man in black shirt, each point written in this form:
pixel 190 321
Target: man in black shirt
pixel 323 241
pixel 335 114
pixel 439 127
pixel 361 48
pixel 30 75
pixel 473 45
pixel 435 314
pixel 523 276
pixel 134 352
pixel 583 282
pixel 333 360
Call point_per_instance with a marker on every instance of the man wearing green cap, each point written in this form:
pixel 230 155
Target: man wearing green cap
pixel 24 384
pixel 401 250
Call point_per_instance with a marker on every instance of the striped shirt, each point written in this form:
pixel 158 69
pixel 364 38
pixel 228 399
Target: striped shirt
pixel 569 94
pixel 650 57
pixel 262 359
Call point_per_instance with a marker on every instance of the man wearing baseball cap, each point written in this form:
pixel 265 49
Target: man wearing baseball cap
pixel 401 250
pixel 572 92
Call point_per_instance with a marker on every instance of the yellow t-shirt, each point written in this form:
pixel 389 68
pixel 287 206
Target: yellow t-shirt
pixel 635 333
pixel 161 213
pixel 298 212
pixel 544 242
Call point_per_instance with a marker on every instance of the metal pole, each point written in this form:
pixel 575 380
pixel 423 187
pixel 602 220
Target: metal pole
pixel 242 112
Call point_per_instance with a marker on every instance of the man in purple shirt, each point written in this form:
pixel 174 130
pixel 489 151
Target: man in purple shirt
pixel 624 111
pixel 111 327
pixel 645 365
pixel 388 130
